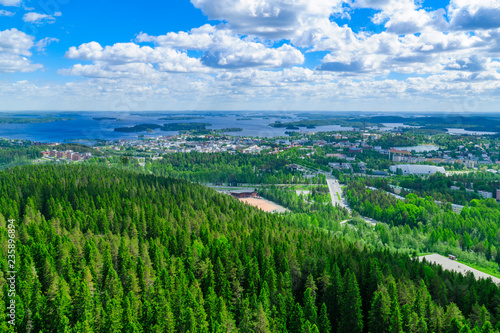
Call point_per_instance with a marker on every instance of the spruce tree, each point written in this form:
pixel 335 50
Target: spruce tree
pixel 351 320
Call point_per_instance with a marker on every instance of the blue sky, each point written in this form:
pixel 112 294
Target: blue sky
pixel 374 55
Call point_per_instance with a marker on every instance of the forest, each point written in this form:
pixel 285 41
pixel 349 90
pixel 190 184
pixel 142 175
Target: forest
pixel 475 229
pixel 108 250
pixel 17 155
pixel 229 168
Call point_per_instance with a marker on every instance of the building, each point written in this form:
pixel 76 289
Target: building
pixel 355 150
pixel 408 159
pixel 407 169
pixel 45 153
pixel 394 152
pixel 339 156
pixel 498 194
pixel 456 208
pixel 485 194
pixel 244 193
pixel 470 164
pixel 294 167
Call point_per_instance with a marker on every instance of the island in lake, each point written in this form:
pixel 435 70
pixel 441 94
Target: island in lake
pixel 165 127
pixel 22 120
pixel 185 126
pixel 105 118
pixel 181 118
pixel 138 128
pixel 230 129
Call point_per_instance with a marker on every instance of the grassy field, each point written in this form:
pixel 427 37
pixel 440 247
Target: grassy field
pixel 487 270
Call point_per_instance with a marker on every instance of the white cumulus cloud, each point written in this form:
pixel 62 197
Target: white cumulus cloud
pixel 6 13
pixel 223 49
pixel 43 43
pixel 11 3
pixel 129 60
pixel 474 14
pixel 16 42
pixel 15 48
pixel 275 19
pixel 37 18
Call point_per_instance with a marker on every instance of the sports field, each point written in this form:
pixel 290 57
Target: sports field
pixel 263 204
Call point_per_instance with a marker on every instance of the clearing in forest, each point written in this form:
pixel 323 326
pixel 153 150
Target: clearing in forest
pixel 456 266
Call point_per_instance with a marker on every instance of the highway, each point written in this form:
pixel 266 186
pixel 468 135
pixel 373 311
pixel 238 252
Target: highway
pixel 336 193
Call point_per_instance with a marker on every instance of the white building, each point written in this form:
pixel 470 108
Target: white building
pixel 456 208
pixel 407 169
pixel 485 194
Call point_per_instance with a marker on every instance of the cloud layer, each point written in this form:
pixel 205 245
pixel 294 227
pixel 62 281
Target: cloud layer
pixel 298 52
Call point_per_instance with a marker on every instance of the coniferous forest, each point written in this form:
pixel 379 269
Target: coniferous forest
pixel 107 250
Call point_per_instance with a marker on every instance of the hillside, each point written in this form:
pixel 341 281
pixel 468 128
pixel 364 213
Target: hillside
pixel 105 250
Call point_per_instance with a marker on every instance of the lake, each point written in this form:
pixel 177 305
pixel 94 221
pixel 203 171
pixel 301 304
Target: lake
pixel 84 127
pixel 461 131
pixel 392 126
pixel 419 149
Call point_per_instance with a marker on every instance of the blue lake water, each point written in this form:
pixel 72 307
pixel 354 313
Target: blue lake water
pixel 83 126
pixel 420 149
pixel 461 131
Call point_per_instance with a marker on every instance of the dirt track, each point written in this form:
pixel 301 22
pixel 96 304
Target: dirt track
pixel 263 204
pixel 452 265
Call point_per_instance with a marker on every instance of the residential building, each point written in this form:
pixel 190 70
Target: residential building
pixel 470 164
pixel 407 169
pixel 485 194
pixel 456 208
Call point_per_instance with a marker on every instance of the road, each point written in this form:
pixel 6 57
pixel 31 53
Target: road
pixel 456 266
pixel 367 220
pixel 336 192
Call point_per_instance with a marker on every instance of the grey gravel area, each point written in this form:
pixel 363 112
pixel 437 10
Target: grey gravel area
pixel 453 265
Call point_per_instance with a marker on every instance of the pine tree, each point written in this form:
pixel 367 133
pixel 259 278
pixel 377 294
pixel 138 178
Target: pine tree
pixel 261 321
pixel 487 327
pixel 310 310
pixel 352 316
pixel 246 323
pixel 113 318
pixel 165 321
pixel 379 320
pixel 465 329
pixel 333 296
pixel 84 308
pixel 396 321
pixel 129 315
pixel 296 319
pixel 323 320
